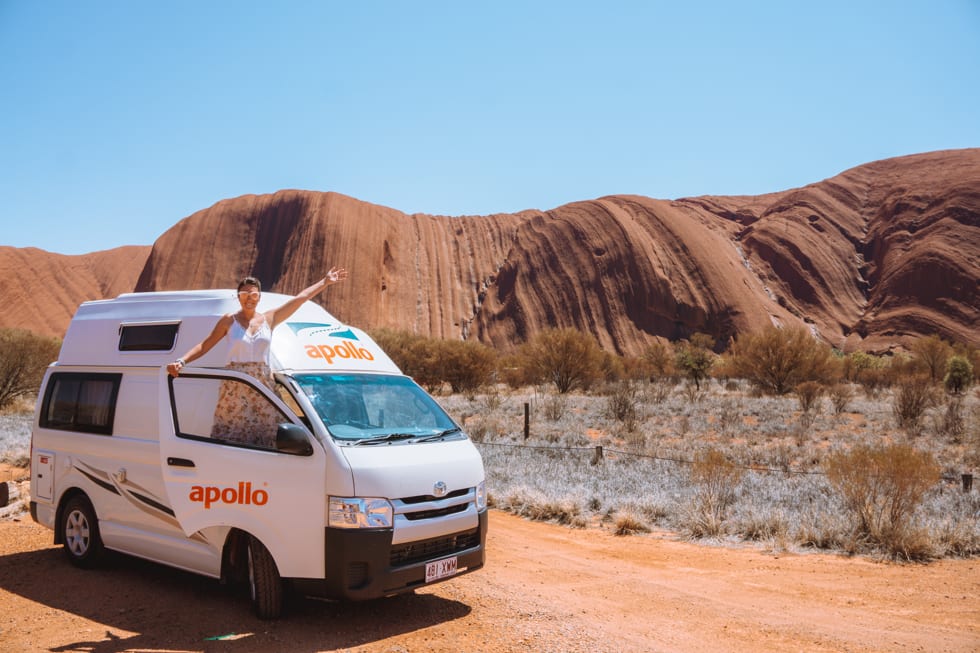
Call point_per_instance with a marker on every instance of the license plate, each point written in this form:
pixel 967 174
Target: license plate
pixel 440 569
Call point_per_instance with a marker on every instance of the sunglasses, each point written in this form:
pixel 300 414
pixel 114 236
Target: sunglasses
pixel 254 294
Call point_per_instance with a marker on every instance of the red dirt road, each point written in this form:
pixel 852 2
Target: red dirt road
pixel 545 588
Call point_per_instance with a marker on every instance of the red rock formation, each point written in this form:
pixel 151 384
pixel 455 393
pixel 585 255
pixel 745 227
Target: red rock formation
pixel 41 290
pixel 868 259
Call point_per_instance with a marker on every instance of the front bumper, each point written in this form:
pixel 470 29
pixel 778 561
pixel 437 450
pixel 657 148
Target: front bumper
pixel 364 564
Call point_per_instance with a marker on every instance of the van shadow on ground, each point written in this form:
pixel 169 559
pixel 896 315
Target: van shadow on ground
pixel 170 609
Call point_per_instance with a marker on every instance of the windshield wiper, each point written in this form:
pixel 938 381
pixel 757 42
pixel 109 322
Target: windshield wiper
pixel 440 435
pixel 389 437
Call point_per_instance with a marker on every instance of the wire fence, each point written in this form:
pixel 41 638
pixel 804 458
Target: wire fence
pixel 599 452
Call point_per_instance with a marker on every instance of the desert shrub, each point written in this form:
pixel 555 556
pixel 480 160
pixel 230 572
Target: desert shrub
pixel 763 525
pixel 930 354
pixel 628 523
pixel 23 358
pixel 554 406
pixel 959 375
pixel 715 480
pixel 660 389
pixel 950 422
pixel 567 358
pixel 882 487
pixel 695 357
pixel 694 393
pixel 777 360
pixel 513 370
pixel 913 396
pixel 958 538
pixel 622 404
pixel 464 365
pixel 659 358
pixel 729 415
pixel 823 530
pixel 809 394
pixel 840 395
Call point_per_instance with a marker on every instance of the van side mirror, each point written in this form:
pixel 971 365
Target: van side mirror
pixel 293 438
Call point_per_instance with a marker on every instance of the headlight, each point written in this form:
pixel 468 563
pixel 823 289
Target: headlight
pixel 359 512
pixel 481 495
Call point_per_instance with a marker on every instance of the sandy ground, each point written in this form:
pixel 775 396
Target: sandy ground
pixel 545 588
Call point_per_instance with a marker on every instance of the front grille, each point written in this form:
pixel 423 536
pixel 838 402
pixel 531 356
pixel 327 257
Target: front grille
pixel 422 498
pixel 438 512
pixel 412 552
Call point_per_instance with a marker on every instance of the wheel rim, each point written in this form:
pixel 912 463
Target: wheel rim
pixel 77 533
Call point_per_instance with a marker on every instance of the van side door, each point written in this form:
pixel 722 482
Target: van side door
pixel 222 466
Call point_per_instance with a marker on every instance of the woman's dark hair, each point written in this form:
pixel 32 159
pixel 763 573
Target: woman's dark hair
pixel 250 281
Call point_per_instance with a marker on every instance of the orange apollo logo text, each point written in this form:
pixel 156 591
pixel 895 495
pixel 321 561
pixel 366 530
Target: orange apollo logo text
pixel 343 350
pixel 243 495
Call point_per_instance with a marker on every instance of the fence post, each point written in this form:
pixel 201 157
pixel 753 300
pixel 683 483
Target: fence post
pixel 4 494
pixel 597 456
pixel 527 420
pixel 967 482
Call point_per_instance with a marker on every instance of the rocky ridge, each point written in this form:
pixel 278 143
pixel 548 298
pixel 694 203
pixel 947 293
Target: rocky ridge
pixel 867 259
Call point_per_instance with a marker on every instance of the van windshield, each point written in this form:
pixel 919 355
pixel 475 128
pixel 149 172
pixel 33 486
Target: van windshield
pixel 375 408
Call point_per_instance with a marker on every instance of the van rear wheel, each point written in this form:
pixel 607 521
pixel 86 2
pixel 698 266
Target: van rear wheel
pixel 80 533
pixel 264 582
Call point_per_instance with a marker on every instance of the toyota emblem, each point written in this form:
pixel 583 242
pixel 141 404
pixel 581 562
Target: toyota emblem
pixel 439 489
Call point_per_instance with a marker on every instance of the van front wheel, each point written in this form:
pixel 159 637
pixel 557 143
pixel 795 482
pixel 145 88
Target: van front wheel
pixel 264 582
pixel 80 533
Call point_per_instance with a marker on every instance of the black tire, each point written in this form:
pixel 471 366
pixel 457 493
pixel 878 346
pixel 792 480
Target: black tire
pixel 264 582
pixel 80 533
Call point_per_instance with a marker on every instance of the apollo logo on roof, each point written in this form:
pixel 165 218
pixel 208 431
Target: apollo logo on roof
pixel 345 350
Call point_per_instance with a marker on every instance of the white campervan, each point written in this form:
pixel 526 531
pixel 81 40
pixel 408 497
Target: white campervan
pixel 371 489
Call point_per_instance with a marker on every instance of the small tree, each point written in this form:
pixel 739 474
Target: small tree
pixel 658 356
pixel 777 360
pixel 695 358
pixel 23 357
pixel 566 357
pixel 931 353
pixel 959 375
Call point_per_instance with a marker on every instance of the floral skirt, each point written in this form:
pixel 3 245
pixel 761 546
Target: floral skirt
pixel 242 413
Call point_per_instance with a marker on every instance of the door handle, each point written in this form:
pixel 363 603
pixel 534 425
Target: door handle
pixel 180 462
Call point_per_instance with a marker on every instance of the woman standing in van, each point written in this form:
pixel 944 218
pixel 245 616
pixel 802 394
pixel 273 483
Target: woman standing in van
pixel 249 334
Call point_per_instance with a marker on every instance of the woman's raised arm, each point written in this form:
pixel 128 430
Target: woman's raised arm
pixel 277 316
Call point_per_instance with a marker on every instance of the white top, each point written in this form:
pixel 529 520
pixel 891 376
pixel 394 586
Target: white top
pixel 244 347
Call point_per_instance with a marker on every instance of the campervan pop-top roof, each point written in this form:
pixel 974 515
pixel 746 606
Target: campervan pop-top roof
pixel 154 328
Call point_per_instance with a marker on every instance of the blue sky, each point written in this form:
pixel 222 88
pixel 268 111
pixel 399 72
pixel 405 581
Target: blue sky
pixel 118 119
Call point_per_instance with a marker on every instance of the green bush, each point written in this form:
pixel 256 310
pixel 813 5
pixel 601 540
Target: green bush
pixel 695 357
pixel 959 375
pixel 23 358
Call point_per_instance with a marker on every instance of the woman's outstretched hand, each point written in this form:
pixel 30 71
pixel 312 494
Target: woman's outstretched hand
pixel 336 274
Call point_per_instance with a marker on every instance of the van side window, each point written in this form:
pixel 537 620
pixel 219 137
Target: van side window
pixel 226 410
pixel 84 402
pixel 148 337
